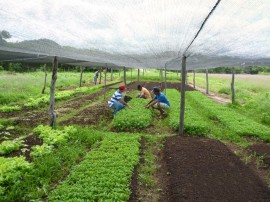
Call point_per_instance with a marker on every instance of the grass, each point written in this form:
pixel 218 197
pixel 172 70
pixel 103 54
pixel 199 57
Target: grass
pixel 18 87
pixel 49 171
pixel 151 75
pixel 252 93
pixel 149 168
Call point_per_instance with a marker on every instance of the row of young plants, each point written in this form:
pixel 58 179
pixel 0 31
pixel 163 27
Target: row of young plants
pixel 194 123
pixel 35 102
pixel 229 118
pixel 8 142
pixel 8 146
pixel 21 180
pixel 105 173
pixel 136 117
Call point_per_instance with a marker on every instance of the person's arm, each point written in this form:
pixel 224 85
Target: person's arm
pixel 151 103
pixel 124 103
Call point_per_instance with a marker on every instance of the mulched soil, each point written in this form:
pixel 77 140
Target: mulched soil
pixel 9 134
pixel 201 169
pixel 90 116
pixel 29 141
pixel 33 119
pixel 262 150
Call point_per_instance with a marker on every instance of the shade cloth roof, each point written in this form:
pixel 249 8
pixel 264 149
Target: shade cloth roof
pixel 137 33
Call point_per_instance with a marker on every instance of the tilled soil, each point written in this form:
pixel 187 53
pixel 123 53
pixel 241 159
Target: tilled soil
pixel 29 142
pixel 90 116
pixel 201 169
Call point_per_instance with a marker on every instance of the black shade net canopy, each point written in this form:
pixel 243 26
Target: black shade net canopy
pixel 136 33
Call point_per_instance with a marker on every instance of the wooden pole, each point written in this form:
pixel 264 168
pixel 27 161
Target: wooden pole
pixel 81 76
pixel 232 85
pixel 161 78
pixel 207 83
pixel 111 73
pixel 138 75
pixel 194 79
pixel 165 77
pixel 100 75
pixel 105 72
pixel 130 75
pixel 183 93
pixel 125 77
pixel 52 113
pixel 45 80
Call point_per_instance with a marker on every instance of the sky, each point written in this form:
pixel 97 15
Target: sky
pixel 236 28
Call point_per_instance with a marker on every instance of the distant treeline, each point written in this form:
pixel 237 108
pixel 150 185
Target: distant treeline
pixel 23 67
pixel 238 70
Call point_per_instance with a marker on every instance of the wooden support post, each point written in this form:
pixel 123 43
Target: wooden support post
pixel 100 70
pixel 111 73
pixel 138 75
pixel 161 78
pixel 52 113
pixel 105 73
pixel 165 77
pixel 130 75
pixel 232 86
pixel 81 76
pixel 207 83
pixel 45 80
pixel 194 79
pixel 183 93
pixel 125 77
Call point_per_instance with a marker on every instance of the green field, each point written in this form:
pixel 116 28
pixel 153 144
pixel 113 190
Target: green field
pixel 252 92
pixel 92 155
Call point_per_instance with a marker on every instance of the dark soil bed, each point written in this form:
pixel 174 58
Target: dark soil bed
pixel 200 169
pixel 33 119
pixel 29 141
pixel 90 116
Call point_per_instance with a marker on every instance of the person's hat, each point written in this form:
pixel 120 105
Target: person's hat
pixel 122 87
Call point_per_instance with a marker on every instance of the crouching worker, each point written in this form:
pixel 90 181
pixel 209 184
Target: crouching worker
pixel 144 93
pixel 117 100
pixel 159 102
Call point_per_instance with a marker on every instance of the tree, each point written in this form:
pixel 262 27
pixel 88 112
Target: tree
pixel 4 35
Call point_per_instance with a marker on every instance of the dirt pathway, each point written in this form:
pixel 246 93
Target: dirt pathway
pixel 211 95
pixel 200 169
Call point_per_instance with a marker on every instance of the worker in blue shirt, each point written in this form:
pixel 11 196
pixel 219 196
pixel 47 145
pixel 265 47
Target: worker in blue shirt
pixel 159 102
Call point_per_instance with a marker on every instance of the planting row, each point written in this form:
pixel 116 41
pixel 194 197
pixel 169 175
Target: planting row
pixel 194 123
pixel 22 180
pixel 35 102
pixel 104 174
pixel 136 117
pixel 229 118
